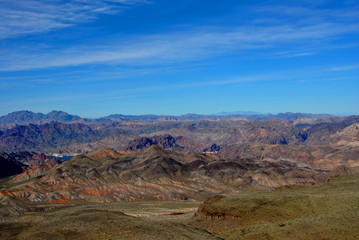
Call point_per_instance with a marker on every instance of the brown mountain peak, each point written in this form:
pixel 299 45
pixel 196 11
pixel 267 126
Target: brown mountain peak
pixel 154 149
pixel 104 153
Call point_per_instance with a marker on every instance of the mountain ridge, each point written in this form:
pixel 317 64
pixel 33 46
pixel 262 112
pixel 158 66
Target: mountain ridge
pixel 153 174
pixel 77 137
pixel 26 117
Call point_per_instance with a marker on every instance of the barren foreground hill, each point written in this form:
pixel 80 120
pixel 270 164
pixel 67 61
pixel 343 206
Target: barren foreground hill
pixel 326 211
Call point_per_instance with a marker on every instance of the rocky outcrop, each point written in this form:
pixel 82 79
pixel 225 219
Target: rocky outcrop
pixel 204 209
pixel 348 134
pixel 144 142
pixel 213 149
pixel 33 172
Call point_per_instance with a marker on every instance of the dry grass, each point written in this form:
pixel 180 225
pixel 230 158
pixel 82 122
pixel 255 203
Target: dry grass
pixel 106 221
pixel 329 211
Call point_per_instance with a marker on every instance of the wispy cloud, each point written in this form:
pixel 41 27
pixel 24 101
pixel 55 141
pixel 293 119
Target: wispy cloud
pixel 291 54
pixel 175 46
pixel 308 15
pixel 344 68
pixel 304 75
pixel 134 92
pixel 22 17
pixel 196 43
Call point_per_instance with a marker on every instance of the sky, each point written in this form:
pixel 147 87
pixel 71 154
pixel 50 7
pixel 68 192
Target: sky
pixel 99 57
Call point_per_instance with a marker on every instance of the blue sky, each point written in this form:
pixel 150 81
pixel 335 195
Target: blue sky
pixel 98 57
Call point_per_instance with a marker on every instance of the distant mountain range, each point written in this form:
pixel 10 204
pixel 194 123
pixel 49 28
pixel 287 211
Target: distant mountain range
pixel 150 157
pixel 27 117
pixel 80 136
pixel 238 113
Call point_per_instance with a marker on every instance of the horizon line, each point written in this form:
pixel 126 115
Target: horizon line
pixel 222 113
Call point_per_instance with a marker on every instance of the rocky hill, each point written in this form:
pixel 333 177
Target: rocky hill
pixel 326 157
pixel 154 174
pixel 9 166
pixel 17 163
pixel 32 159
